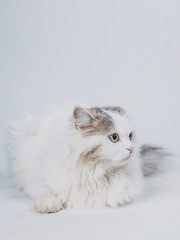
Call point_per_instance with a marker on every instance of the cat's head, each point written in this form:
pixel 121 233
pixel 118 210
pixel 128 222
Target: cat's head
pixel 106 132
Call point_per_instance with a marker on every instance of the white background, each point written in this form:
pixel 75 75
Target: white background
pixel 125 53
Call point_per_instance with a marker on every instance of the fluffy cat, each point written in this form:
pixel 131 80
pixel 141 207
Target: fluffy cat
pixel 79 158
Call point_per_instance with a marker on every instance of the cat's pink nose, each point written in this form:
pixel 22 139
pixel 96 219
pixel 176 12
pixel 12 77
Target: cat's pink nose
pixel 130 149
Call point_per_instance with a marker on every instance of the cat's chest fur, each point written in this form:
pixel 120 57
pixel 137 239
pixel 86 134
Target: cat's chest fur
pixel 97 185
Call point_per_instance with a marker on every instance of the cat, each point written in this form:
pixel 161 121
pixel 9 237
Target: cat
pixel 76 157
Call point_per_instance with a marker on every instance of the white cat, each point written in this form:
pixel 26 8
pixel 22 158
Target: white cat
pixel 79 158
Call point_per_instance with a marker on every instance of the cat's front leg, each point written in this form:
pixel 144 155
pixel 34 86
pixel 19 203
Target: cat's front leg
pixel 49 204
pixel 112 198
pixel 118 194
pixel 123 192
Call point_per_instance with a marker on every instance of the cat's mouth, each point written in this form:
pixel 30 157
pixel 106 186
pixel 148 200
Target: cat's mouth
pixel 121 158
pixel 125 159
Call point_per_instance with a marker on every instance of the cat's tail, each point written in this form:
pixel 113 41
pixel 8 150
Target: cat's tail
pixel 152 157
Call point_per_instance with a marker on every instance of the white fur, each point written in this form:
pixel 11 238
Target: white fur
pixel 44 154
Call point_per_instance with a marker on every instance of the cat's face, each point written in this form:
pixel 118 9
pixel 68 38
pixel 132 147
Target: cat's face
pixel 107 133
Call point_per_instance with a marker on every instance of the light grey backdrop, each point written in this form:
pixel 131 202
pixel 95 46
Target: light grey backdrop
pixel 100 52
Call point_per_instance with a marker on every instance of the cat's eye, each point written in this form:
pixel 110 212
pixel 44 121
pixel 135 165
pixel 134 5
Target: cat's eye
pixel 131 136
pixel 114 137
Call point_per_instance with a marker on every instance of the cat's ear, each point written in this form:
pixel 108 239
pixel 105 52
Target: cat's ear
pixel 83 119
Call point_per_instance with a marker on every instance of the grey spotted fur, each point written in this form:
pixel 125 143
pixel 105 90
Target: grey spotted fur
pixel 151 158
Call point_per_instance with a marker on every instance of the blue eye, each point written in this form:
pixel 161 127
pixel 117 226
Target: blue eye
pixel 114 137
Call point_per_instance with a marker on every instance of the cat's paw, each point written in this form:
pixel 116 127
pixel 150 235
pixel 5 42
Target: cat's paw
pixel 48 205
